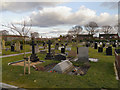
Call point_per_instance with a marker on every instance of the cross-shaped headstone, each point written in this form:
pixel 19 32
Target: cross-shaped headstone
pixel 49 46
pixel 33 46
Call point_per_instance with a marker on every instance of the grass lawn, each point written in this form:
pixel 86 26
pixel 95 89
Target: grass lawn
pixel 9 51
pixel 100 74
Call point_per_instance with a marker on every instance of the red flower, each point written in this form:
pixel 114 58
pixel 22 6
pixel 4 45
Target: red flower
pixel 50 71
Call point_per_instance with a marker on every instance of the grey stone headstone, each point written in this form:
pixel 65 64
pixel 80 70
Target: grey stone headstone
pixel 37 49
pixel 63 67
pixel 83 54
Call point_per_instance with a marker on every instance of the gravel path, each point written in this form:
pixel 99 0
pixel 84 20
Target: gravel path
pixel 14 54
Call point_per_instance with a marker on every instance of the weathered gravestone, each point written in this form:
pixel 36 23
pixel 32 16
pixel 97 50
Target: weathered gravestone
pixel 17 46
pixel 49 55
pixel 63 67
pixel 33 56
pixel 109 50
pixel 3 44
pixel 37 49
pixel 83 54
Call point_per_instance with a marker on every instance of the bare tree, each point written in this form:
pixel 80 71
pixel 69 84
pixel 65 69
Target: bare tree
pixel 75 30
pixel 107 29
pixel 91 27
pixel 22 29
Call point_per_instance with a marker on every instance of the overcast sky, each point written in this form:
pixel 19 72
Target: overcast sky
pixel 53 19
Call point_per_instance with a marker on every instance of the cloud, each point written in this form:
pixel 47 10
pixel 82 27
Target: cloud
pixel 62 15
pixel 110 5
pixel 19 7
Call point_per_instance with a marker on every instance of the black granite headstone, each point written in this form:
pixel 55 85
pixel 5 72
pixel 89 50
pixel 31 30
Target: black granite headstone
pixel 103 45
pixel 100 49
pixel 21 47
pixel 114 45
pixel 62 50
pixel 95 47
pixel 109 51
pixel 49 55
pixel 33 56
pixel 12 48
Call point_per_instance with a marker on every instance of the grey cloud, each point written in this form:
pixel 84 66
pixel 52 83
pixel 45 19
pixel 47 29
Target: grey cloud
pixel 25 6
pixel 64 16
pixel 110 5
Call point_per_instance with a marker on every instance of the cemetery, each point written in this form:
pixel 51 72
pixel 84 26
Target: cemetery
pixel 84 63
pixel 60 44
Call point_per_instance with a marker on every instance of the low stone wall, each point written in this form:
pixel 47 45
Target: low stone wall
pixel 117 61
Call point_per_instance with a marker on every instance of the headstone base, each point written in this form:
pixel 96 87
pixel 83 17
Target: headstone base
pixel 49 56
pixel 34 58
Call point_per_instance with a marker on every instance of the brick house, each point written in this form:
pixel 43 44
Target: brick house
pixel 108 36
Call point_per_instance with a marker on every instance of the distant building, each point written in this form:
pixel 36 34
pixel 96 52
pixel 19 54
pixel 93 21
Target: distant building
pixel 84 36
pixel 108 36
pixel 35 34
pixel 14 37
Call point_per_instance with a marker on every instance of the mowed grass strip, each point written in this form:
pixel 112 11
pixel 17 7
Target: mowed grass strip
pixel 100 74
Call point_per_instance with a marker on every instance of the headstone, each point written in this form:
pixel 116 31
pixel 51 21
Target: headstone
pixel 60 57
pixel 87 44
pixel 63 50
pixel 56 46
pixel 95 47
pixel 103 45
pixel 49 55
pixel 100 49
pixel 60 48
pixel 21 47
pixel 114 45
pixel 109 50
pixel 12 48
pixel 17 46
pixel 108 44
pixel 37 49
pixel 83 54
pixel 3 44
pixel 43 43
pixel 63 67
pixel 33 56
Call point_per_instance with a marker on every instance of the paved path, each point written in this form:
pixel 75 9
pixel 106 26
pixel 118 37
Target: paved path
pixel 9 87
pixel 14 54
